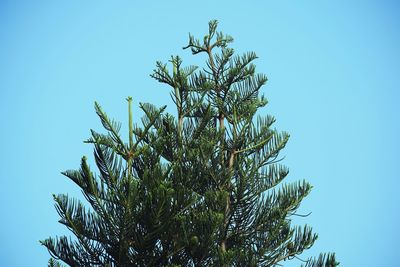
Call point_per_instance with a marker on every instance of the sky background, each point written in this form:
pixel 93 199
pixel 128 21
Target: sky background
pixel 333 69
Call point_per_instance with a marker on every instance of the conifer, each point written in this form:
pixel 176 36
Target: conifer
pixel 202 187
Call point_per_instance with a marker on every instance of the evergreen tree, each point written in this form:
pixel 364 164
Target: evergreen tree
pixel 203 188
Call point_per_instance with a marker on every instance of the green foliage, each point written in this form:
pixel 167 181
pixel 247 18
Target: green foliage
pixel 202 189
pixel 54 263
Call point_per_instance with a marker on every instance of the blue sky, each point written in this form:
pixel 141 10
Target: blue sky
pixel 333 69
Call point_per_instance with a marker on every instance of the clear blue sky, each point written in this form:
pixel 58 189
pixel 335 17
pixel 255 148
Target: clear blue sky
pixel 333 69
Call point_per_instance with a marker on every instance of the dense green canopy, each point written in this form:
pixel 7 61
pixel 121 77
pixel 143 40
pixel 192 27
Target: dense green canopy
pixel 201 188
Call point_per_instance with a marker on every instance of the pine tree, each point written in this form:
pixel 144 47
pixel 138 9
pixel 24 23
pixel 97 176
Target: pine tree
pixel 202 188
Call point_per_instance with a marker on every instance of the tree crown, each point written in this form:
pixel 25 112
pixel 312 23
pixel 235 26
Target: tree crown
pixel 202 188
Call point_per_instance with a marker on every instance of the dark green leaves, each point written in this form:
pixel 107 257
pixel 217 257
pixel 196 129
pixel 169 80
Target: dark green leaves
pixel 202 188
pixel 323 260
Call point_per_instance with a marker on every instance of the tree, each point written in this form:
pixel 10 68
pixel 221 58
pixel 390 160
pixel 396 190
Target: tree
pixel 200 189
